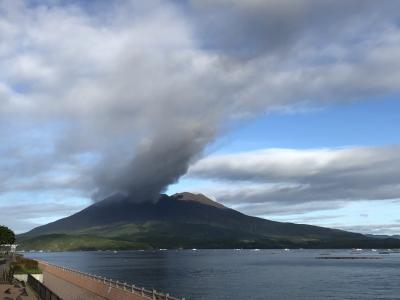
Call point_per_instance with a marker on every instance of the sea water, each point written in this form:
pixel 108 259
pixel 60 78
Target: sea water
pixel 245 274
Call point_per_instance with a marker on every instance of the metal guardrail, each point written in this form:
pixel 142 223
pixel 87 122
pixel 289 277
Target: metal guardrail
pixel 43 292
pixel 5 275
pixel 131 288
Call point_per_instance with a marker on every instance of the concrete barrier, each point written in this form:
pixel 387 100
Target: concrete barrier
pixel 24 277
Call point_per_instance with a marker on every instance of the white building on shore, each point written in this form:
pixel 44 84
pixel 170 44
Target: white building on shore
pixel 8 249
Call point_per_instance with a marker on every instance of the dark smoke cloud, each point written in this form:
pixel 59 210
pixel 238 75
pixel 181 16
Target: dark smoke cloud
pixel 157 164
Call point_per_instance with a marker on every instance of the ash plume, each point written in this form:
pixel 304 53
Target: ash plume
pixel 157 163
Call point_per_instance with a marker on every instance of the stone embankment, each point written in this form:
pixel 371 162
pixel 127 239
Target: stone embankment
pixel 13 290
pixel 16 291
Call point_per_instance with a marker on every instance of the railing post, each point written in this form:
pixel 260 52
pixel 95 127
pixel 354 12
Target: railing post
pixel 142 291
pixel 125 286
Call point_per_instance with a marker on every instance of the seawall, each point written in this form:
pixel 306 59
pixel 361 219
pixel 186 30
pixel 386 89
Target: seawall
pixel 74 285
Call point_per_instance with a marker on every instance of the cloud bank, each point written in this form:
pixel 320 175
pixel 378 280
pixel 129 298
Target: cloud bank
pixel 123 96
pixel 291 181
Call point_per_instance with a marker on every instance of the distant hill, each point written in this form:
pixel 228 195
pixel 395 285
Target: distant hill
pixel 383 236
pixel 183 220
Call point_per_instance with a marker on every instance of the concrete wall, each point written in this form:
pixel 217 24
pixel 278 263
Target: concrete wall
pixel 24 277
pixel 72 286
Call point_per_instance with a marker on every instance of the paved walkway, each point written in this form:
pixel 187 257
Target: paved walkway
pixel 70 285
pixel 67 290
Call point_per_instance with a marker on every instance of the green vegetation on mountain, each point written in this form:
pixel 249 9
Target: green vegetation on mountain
pixel 182 221
pixel 65 242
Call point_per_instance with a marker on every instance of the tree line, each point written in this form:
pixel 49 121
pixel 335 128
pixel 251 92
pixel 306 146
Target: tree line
pixel 7 236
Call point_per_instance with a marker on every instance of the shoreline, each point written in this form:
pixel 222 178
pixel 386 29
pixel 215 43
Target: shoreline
pixel 393 250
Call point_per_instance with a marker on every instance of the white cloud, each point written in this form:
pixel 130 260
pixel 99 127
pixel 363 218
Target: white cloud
pixel 378 229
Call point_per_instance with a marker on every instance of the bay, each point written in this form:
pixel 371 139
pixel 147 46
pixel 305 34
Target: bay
pixel 245 274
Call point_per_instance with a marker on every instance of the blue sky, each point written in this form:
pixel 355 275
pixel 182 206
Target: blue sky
pixel 372 122
pixel 280 109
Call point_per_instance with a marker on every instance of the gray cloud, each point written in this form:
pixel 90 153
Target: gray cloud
pixel 289 179
pixel 254 28
pixel 126 98
pixel 23 217
pixel 265 207
pixel 308 219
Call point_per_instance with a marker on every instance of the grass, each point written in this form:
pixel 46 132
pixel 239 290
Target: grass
pixel 24 265
pixel 64 242
pixel 22 270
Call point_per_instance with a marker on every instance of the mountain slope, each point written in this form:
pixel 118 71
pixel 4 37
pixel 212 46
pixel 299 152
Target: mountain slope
pixel 185 221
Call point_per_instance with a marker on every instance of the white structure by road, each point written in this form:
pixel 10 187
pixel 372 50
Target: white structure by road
pixel 8 248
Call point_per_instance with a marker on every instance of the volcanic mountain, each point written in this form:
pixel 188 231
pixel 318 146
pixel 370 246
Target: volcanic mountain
pixel 183 220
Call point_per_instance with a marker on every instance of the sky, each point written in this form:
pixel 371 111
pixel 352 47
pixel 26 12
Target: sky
pixel 280 109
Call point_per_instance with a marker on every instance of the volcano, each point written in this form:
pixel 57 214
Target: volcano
pixel 183 220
